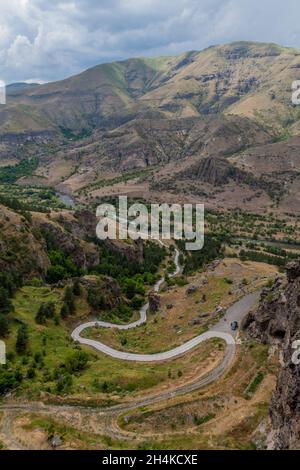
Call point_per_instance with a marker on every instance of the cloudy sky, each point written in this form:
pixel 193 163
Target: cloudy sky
pixel 47 40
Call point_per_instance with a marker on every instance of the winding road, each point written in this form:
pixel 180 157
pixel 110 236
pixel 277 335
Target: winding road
pixel 221 330
pixel 110 415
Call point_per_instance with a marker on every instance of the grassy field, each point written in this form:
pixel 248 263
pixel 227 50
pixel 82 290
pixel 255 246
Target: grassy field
pixel 170 327
pixel 219 416
pixel 69 435
pixel 104 379
pixel 36 198
pixel 223 415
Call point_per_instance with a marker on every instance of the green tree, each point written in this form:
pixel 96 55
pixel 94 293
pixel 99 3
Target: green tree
pixel 76 288
pixel 18 376
pixel 31 373
pixel 40 317
pixel 46 311
pixel 5 302
pixel 56 273
pixel 64 311
pixel 7 382
pixel 22 339
pixel 4 326
pixel 69 299
pixel 64 383
pixel 76 362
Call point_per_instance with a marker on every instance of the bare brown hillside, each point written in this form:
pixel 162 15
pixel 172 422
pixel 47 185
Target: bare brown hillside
pixel 142 126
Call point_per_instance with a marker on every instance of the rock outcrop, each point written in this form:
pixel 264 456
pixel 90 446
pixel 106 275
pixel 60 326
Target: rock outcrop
pixel 26 238
pixel 269 323
pixel 214 170
pixel 103 292
pixel 133 252
pixel 154 302
pixel 20 250
pixel 59 235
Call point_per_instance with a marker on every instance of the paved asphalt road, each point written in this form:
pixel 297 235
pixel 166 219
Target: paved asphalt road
pixel 221 330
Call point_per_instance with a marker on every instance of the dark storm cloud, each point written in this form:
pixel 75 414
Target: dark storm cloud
pixel 49 40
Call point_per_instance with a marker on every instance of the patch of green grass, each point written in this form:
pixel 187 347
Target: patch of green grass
pixel 50 347
pixel 158 63
pixel 10 174
pixel 130 175
pixel 31 198
pixel 199 420
pixel 65 432
pixel 254 384
pixel 2 446
pixel 159 334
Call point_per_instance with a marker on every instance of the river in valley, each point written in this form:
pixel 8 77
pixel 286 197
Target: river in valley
pixel 67 200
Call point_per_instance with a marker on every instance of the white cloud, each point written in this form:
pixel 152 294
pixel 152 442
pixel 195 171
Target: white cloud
pixel 55 39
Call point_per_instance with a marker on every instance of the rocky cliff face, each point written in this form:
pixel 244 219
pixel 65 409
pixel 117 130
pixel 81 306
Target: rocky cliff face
pixel 173 113
pixel 85 255
pixel 154 301
pixel 277 320
pixel 103 292
pixel 134 252
pixel 20 250
pixel 24 240
pixel 269 323
pixel 214 170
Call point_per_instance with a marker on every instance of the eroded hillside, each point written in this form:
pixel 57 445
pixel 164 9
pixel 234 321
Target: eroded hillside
pixel 143 125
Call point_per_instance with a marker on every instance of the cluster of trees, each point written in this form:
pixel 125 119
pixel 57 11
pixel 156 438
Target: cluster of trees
pixel 272 249
pixel 132 276
pixel 22 339
pixel 251 225
pixel 62 267
pixel 4 326
pixel 21 207
pixel 154 254
pixel 62 375
pixel 10 174
pixel 5 300
pixel 100 299
pixel 194 260
pixel 251 255
pixel 9 380
pixel 68 306
pixel 277 251
pixel 9 282
pixel 30 199
pixel 14 204
pixel 45 312
pixel 97 299
pixel 69 134
pixel 74 364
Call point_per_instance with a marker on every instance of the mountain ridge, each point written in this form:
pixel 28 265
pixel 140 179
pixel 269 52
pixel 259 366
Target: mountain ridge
pixel 232 101
pixel 126 81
